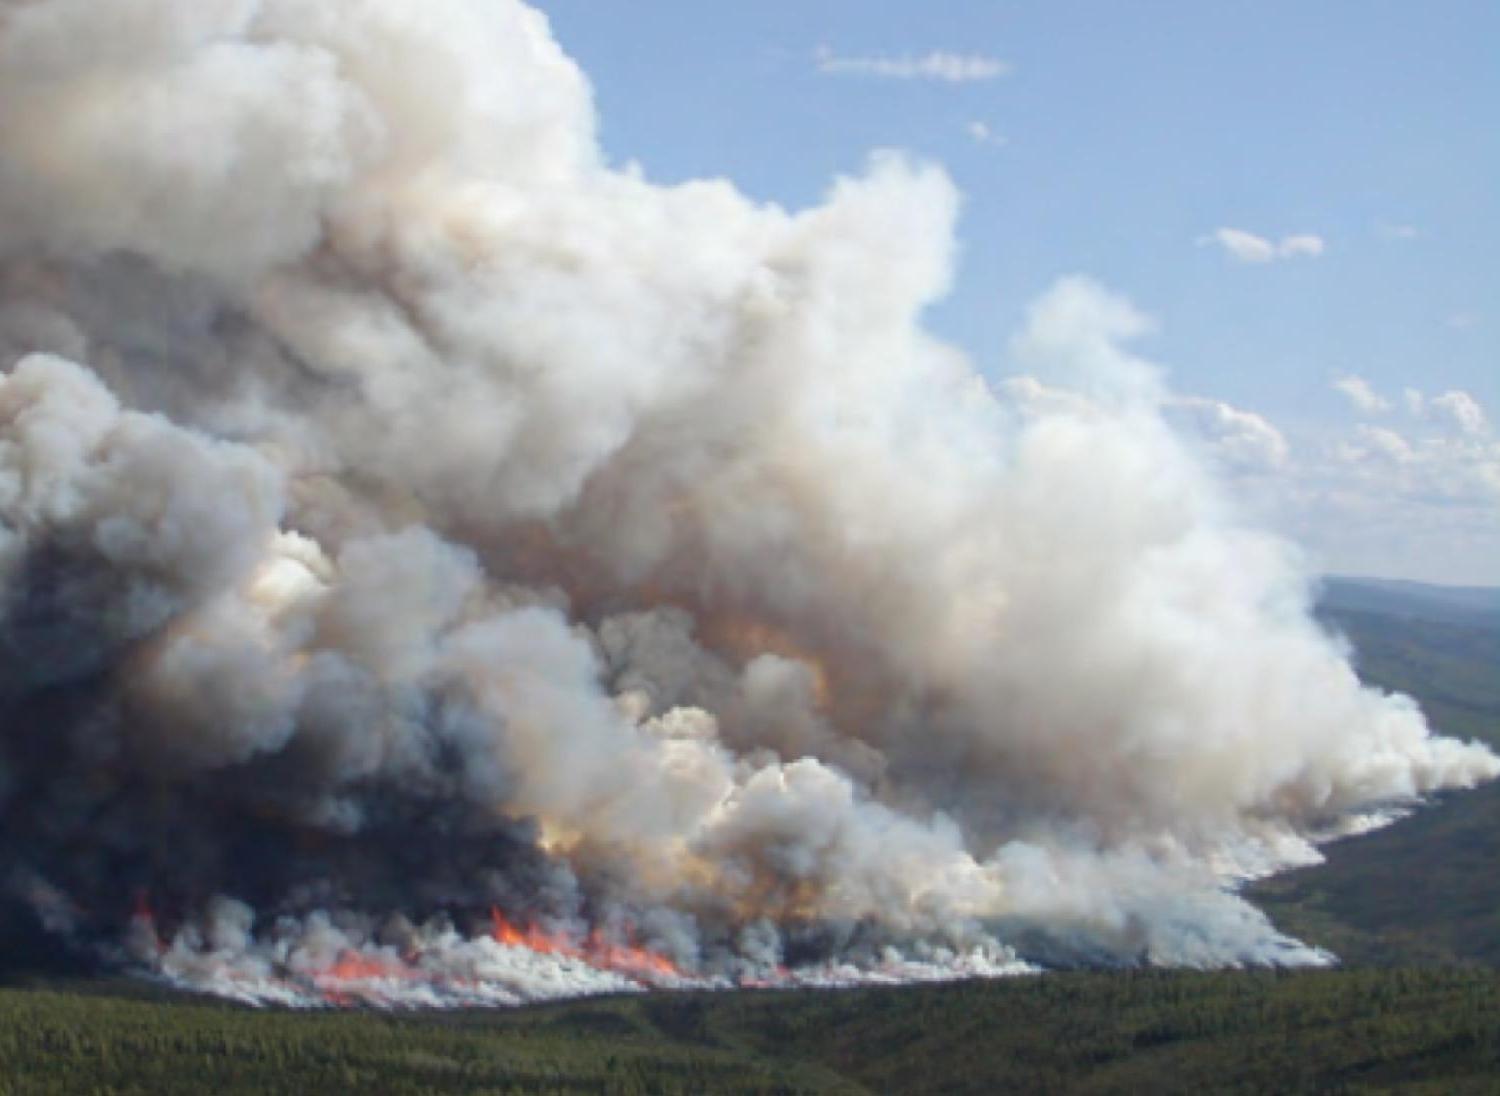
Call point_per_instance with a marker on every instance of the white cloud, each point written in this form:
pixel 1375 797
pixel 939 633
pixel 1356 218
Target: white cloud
pixel 1464 411
pixel 1416 505
pixel 1462 321
pixel 1303 244
pixel 981 134
pixel 953 68
pixel 1394 471
pixel 1376 443
pixel 1387 231
pixel 1244 246
pixel 1242 440
pixel 1419 502
pixel 1455 407
pixel 1247 247
pixel 1361 395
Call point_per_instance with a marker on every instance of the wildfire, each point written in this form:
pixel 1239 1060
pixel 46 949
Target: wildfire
pixel 777 978
pixel 352 968
pixel 143 920
pixel 597 949
pixel 629 959
pixel 531 937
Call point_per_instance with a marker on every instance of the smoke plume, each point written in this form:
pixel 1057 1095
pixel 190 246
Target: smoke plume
pixel 438 566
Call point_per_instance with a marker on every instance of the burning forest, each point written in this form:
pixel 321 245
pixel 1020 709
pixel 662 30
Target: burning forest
pixel 440 567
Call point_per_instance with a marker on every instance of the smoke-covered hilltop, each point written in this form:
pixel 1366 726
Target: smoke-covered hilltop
pixel 429 553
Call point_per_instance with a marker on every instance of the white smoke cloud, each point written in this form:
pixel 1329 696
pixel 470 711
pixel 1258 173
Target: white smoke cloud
pixel 461 493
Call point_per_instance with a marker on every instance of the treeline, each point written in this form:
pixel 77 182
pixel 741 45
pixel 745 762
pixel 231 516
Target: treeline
pixel 1155 1032
pixel 1328 1031
pixel 74 1043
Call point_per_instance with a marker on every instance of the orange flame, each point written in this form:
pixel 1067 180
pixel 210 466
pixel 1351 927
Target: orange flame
pixel 629 959
pixel 531 937
pixel 351 966
pixel 597 950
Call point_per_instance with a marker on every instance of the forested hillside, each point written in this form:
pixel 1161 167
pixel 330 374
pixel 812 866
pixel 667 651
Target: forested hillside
pixel 1320 1031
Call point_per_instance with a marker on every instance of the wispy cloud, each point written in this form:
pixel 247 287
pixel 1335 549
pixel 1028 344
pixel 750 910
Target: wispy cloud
pixel 1462 321
pixel 1455 407
pixel 1242 441
pixel 1247 247
pixel 1377 444
pixel 1388 231
pixel 1414 496
pixel 1359 393
pixel 1445 466
pixel 1244 246
pixel 1463 410
pixel 982 134
pixel 939 65
pixel 1307 244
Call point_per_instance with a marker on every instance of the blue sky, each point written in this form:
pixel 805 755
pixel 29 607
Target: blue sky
pixel 1115 140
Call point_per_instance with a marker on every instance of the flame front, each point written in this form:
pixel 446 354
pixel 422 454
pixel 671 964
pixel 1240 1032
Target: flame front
pixel 597 949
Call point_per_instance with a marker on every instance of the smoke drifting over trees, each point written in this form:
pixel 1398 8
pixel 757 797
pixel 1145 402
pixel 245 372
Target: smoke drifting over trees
pixel 405 514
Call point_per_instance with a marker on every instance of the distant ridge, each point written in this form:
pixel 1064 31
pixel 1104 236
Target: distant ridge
pixel 1470 606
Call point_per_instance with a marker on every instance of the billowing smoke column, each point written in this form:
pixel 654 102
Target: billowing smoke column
pixel 438 567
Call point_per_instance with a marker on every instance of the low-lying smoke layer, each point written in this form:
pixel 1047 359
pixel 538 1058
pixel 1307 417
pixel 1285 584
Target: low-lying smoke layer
pixel 412 526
